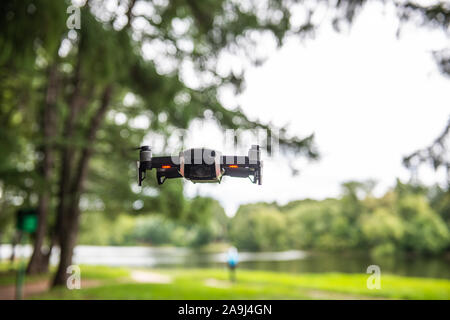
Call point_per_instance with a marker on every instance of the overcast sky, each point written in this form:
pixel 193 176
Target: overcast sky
pixel 369 97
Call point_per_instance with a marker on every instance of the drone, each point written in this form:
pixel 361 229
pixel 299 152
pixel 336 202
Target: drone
pixel 200 165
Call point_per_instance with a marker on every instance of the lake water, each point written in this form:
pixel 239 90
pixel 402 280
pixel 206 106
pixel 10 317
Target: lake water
pixel 287 261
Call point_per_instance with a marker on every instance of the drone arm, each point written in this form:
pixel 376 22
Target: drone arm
pixel 242 167
pixel 165 171
pixel 238 172
pixel 240 161
pixel 166 168
pixel 167 162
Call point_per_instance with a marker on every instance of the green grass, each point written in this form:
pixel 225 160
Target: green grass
pixel 8 274
pixel 104 273
pixel 9 278
pixel 101 273
pixel 192 284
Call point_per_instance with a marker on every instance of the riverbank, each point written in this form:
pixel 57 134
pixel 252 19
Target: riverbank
pixel 291 261
pixel 129 283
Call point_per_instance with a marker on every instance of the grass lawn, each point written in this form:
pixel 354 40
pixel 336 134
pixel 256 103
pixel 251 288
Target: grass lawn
pixel 118 283
pixel 8 274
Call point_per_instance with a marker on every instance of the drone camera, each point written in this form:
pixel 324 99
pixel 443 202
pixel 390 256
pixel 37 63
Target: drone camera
pixel 200 165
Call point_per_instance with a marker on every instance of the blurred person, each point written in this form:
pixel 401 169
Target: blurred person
pixel 232 261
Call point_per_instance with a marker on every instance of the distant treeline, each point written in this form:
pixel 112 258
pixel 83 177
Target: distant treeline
pixel 201 221
pixel 405 219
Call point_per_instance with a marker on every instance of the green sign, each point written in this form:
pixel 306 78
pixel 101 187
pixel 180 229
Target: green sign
pixel 27 220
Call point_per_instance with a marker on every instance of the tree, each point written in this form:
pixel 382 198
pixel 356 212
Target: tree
pixel 425 231
pixel 260 229
pixel 437 155
pixel 435 15
pixel 383 230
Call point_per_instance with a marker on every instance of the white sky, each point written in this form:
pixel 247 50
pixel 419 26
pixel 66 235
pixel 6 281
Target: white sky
pixel 369 97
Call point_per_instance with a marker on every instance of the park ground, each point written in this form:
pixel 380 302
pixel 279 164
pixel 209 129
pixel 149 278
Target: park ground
pixel 99 282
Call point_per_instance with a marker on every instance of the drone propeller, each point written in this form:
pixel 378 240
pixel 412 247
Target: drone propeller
pixel 143 148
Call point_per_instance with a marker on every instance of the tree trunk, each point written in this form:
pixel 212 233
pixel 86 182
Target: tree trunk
pixel 69 222
pixel 60 234
pixel 67 241
pixel 38 262
pixel 75 104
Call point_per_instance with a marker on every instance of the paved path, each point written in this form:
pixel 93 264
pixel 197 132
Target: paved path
pixel 149 277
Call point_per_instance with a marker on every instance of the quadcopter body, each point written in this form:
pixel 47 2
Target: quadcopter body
pixel 201 165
